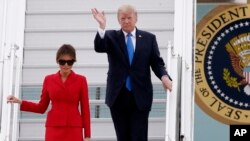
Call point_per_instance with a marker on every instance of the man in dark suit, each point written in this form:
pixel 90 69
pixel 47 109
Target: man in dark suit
pixel 131 52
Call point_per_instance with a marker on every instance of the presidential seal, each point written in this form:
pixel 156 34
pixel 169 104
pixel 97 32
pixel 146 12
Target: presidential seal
pixel 222 64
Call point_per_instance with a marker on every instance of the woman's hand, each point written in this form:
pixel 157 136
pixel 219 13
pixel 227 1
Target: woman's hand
pixel 13 99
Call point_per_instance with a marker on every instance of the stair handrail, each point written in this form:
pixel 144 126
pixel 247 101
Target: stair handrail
pixel 7 118
pixel 171 98
pixel 11 82
pixel 16 93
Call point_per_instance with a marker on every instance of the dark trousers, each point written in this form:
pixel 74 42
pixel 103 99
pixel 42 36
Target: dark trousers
pixel 130 123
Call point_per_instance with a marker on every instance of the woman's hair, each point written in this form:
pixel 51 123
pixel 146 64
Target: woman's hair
pixel 66 49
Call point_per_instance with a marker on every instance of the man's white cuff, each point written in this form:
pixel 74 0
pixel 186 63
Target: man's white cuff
pixel 101 32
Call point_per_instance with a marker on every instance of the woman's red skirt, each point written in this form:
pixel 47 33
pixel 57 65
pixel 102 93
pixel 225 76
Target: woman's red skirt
pixel 64 134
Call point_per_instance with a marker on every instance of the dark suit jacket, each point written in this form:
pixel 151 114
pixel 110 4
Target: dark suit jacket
pixel 146 55
pixel 66 98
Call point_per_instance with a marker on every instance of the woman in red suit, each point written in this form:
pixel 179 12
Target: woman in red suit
pixel 69 115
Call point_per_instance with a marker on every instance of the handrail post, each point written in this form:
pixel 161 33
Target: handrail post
pixel 12 60
pixel 167 137
pixel 171 102
pixel 18 70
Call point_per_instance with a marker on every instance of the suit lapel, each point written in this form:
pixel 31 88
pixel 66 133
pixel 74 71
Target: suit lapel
pixel 138 45
pixel 57 79
pixel 123 47
pixel 71 79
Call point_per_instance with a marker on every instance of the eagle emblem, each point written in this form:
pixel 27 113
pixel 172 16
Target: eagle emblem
pixel 238 49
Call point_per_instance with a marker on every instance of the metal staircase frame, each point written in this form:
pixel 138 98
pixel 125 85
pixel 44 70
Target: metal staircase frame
pixel 11 44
